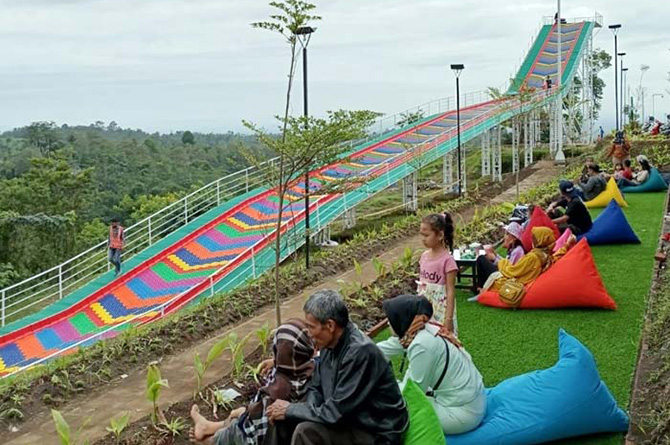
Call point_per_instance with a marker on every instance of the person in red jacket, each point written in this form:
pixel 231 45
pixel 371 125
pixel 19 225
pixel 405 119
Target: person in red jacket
pixel 115 242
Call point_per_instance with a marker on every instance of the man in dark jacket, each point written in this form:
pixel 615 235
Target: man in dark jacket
pixel 595 184
pixel 353 397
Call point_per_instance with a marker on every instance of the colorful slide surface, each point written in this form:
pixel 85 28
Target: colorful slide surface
pixel 223 250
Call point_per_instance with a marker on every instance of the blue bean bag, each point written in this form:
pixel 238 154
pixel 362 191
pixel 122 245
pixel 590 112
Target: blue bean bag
pixel 655 183
pixel 611 227
pixel 566 400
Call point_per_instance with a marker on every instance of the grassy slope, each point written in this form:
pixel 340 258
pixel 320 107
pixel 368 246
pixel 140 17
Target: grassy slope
pixel 507 343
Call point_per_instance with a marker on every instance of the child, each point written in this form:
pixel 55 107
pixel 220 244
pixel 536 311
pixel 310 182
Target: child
pixel 627 170
pixel 618 171
pixel 438 269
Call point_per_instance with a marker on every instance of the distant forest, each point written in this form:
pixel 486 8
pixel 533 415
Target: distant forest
pixel 60 186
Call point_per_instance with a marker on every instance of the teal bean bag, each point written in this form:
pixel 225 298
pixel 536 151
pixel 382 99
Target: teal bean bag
pixel 566 400
pixel 655 183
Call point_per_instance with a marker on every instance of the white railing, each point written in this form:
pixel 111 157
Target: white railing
pixel 596 18
pixel 38 291
pixel 322 217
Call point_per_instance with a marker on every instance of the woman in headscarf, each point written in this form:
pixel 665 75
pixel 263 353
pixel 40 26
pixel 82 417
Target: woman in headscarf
pixel 539 259
pixel 639 177
pixel 293 352
pixel 436 362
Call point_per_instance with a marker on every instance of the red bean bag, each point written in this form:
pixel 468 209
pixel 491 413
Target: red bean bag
pixel 573 281
pixel 537 219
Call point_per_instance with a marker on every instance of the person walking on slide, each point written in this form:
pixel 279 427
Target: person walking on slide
pixel 115 242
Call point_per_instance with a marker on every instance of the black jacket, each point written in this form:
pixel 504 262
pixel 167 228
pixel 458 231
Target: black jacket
pixel 353 386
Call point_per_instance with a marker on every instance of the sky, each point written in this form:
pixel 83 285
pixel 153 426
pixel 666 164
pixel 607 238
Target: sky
pixel 173 65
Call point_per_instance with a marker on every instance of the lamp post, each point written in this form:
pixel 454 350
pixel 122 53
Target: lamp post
pixel 304 34
pixel 615 31
pixel 458 69
pixel 640 92
pixel 624 96
pixel 653 103
pixel 622 99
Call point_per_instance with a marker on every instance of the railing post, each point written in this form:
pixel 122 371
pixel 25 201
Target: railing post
pixel 149 229
pixel 211 286
pixel 185 210
pixel 218 192
pixel 246 179
pixel 60 282
pixel 253 262
pixel 3 304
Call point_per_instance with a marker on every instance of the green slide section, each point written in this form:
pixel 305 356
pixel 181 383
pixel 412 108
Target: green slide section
pixel 530 59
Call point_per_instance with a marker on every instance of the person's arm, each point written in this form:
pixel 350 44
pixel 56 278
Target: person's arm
pixel 422 364
pixel 391 347
pixel 642 176
pixel 314 394
pixel 561 219
pixel 587 186
pixel 528 262
pixel 450 287
pixel 355 381
pixel 516 254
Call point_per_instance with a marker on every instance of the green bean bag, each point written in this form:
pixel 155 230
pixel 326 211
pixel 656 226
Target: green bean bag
pixel 424 426
pixel 655 183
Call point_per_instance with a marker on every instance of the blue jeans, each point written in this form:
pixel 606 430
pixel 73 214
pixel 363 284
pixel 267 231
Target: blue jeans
pixel 623 182
pixel 114 257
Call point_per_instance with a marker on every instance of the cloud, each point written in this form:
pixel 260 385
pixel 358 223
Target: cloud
pixel 173 64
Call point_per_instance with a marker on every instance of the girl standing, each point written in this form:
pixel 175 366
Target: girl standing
pixel 437 274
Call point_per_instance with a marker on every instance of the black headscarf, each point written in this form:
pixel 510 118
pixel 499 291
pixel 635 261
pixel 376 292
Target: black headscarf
pixel 401 311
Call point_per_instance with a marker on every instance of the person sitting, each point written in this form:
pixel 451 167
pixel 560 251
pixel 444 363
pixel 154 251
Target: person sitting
pixel 619 151
pixel 584 175
pixel 595 184
pixel 290 370
pixel 576 215
pixel 618 171
pixel 627 170
pixel 488 263
pixel 353 396
pixel 639 177
pixel 528 268
pixel 437 362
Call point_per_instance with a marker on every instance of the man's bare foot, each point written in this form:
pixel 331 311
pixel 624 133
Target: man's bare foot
pixel 202 428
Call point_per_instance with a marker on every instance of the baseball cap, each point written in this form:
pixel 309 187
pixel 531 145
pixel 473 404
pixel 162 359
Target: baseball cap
pixel 567 187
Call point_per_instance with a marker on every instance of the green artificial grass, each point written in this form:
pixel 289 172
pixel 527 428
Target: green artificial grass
pixel 505 343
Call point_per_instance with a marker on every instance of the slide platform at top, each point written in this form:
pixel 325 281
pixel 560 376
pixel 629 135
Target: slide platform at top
pixel 235 244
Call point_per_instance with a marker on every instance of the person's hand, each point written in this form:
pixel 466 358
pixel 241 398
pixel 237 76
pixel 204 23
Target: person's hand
pixel 277 411
pixel 265 367
pixel 236 413
pixel 490 253
pixel 447 327
pixel 447 331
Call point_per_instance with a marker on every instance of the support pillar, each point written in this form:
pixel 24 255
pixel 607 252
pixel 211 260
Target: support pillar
pixel 486 153
pixel 528 140
pixel 496 154
pixel 349 218
pixel 515 144
pixel 464 173
pixel 410 193
pixel 448 176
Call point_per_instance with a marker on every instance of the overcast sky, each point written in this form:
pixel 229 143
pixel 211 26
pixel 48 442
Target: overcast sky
pixel 168 65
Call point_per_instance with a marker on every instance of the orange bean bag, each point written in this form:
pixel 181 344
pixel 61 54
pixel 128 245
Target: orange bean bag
pixel 537 219
pixel 573 281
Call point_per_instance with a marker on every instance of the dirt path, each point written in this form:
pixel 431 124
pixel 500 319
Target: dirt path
pixel 128 394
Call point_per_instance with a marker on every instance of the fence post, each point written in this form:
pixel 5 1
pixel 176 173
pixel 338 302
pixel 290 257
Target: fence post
pixel 253 262
pixel 2 303
pixel 149 223
pixel 246 179
pixel 185 210
pixel 218 192
pixel 60 282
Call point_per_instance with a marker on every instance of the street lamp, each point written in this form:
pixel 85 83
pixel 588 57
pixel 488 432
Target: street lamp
pixel 304 34
pixel 653 103
pixel 458 69
pixel 640 91
pixel 624 96
pixel 622 99
pixel 615 31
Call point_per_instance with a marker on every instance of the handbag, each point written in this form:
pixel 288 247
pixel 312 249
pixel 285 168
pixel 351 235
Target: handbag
pixel 512 292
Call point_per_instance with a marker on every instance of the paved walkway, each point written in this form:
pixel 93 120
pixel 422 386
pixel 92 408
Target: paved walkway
pixel 128 394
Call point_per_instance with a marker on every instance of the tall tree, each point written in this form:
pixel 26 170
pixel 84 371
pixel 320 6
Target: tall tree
pixel 44 136
pixel 292 15
pixel 600 60
pixel 187 138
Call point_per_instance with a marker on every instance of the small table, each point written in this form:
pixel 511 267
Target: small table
pixel 463 266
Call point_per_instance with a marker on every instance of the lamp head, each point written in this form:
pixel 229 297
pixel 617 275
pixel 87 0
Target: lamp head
pixel 457 68
pixel 615 28
pixel 304 33
pixel 621 54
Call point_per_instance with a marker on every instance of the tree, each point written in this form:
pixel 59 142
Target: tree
pixel 409 118
pixel 44 137
pixel 187 138
pixel 600 60
pixel 292 15
pixel 307 142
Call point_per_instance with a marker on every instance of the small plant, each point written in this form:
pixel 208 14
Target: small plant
pixel 154 385
pixel 118 424
pixel 380 267
pixel 174 427
pixel 235 345
pixel 263 335
pixel 63 429
pixel 201 368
